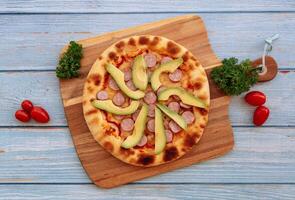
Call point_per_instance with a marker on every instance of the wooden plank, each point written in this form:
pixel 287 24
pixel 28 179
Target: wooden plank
pixel 42 88
pixel 47 155
pixel 231 34
pixel 143 191
pixel 105 170
pixel 121 6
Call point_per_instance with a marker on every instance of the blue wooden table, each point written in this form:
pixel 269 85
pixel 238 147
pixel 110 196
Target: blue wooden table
pixel 39 162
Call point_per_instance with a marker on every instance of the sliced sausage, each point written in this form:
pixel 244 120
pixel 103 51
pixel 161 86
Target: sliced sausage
pixel 188 117
pixel 127 75
pixel 174 106
pixel 183 105
pixel 166 59
pixel 169 136
pixel 161 89
pixel 151 125
pixel 176 75
pixel 135 115
pixel 150 59
pixel 151 111
pixel 102 95
pixel 150 98
pixel 127 124
pixel 113 85
pixel 130 85
pixel 119 117
pixel 166 123
pixel 143 141
pixel 119 99
pixel 174 127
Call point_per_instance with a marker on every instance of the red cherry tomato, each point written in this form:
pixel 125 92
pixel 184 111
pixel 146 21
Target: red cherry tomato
pixel 27 105
pixel 22 115
pixel 255 98
pixel 260 115
pixel 39 114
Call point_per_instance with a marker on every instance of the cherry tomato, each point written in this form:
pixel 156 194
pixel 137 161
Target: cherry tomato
pixel 39 114
pixel 27 105
pixel 255 98
pixel 22 115
pixel 260 115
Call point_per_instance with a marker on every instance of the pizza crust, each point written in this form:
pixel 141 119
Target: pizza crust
pixel 105 128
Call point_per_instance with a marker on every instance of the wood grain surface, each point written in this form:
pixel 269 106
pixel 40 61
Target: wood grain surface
pixel 105 170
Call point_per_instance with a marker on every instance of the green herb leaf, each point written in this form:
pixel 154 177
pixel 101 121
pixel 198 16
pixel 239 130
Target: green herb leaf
pixel 69 63
pixel 235 78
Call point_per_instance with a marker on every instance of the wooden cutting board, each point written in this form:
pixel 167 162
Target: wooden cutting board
pixel 104 169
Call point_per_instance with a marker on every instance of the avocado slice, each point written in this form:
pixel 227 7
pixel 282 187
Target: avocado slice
pixel 118 76
pixel 170 66
pixel 185 96
pixel 138 130
pixel 108 106
pixel 173 115
pixel 160 136
pixel 139 74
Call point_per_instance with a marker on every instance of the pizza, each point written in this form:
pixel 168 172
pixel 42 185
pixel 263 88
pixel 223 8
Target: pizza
pixel 146 100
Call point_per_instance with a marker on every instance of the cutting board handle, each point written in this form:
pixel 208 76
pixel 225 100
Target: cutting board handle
pixel 270 71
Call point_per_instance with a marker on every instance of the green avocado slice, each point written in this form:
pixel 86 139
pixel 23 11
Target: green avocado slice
pixel 118 76
pixel 108 106
pixel 138 131
pixel 160 135
pixel 139 74
pixel 170 66
pixel 173 115
pixel 185 96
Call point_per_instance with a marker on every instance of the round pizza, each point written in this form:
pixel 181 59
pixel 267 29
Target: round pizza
pixel 146 100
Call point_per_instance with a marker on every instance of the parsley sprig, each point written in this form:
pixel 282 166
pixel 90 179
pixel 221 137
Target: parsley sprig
pixel 235 78
pixel 69 63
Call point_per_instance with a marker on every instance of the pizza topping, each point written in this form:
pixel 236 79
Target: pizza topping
pixel 161 89
pixel 118 76
pixel 160 136
pixel 139 73
pixel 166 123
pixel 173 115
pixel 183 105
pixel 185 96
pixel 135 115
pixel 176 75
pixel 143 141
pixel 108 106
pixel 127 75
pixel 151 112
pixel 130 85
pixel 119 117
pixel 151 125
pixel 169 136
pixel 166 59
pixel 150 98
pixel 188 117
pixel 138 131
pixel 170 67
pixel 102 95
pixel 113 85
pixel 150 59
pixel 119 99
pixel 174 106
pixel 127 124
pixel 174 127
